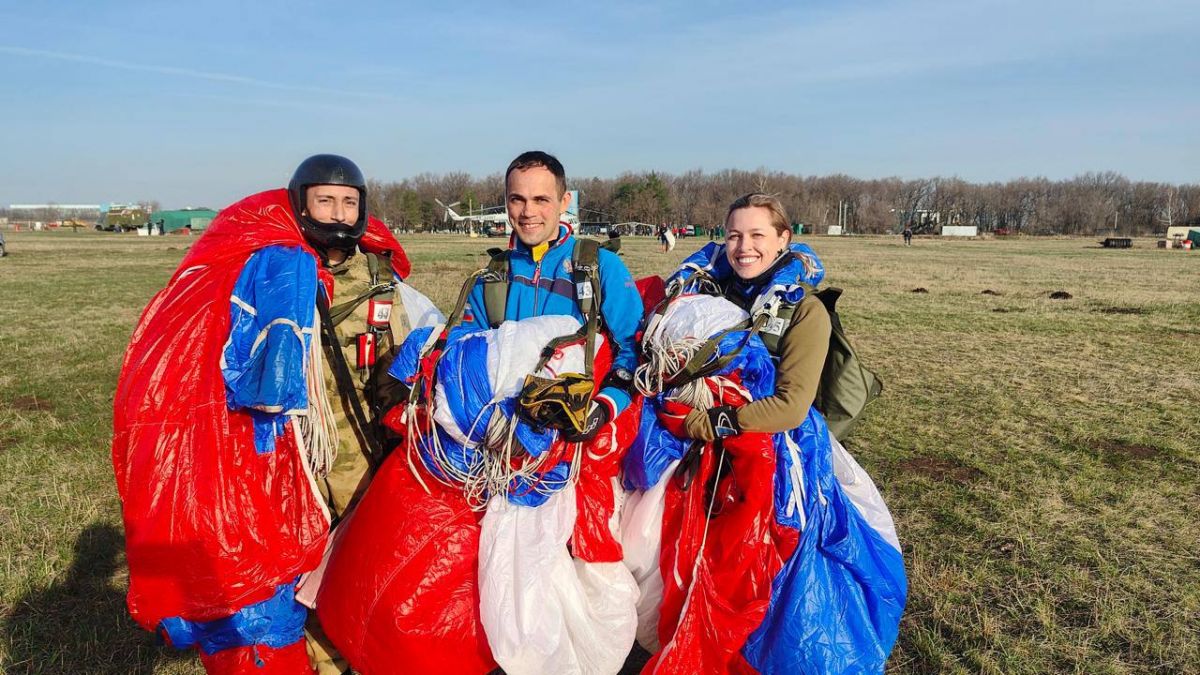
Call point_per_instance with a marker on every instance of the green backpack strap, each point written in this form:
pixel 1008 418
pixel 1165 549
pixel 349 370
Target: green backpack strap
pixel 495 286
pixel 704 362
pixel 585 273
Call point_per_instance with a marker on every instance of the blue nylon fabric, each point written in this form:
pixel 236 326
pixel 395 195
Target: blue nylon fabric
pixel 839 598
pixel 280 284
pixel 620 304
pixel 462 375
pixel 712 259
pixel 275 622
pixel 408 357
pixel 652 451
pixel 535 442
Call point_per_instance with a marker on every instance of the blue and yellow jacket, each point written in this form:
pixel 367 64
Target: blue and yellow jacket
pixel 540 284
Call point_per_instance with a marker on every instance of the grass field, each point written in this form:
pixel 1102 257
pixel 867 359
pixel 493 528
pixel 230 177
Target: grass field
pixel 1041 457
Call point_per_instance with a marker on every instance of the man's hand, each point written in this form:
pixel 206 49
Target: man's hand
pixel 598 416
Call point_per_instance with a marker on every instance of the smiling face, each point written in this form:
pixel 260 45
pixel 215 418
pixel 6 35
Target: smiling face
pixel 535 204
pixel 752 242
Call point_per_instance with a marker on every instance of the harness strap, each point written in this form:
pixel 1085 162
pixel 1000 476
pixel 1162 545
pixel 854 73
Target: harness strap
pixel 703 363
pixel 495 287
pixel 345 384
pixel 341 311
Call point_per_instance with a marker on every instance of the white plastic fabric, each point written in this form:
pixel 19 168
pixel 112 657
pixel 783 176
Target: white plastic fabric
pixel 542 611
pixel 513 350
pixel 420 309
pixel 641 538
pixel 862 492
pixel 700 317
pixel 516 346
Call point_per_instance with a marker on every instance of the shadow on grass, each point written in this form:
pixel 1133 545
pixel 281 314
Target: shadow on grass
pixel 80 625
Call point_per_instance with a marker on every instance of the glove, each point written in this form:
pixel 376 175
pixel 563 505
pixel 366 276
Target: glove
pixel 709 425
pixel 598 416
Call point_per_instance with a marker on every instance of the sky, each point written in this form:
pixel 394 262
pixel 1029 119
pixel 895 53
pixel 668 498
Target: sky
pixel 199 104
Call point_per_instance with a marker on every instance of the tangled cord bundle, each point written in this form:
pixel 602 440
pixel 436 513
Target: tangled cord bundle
pixel 473 440
pixel 676 337
pixel 500 463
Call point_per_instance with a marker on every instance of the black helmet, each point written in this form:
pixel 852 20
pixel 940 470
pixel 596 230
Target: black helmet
pixel 328 170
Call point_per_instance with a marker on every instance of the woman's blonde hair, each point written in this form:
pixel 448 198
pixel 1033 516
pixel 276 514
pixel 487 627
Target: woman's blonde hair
pixel 779 218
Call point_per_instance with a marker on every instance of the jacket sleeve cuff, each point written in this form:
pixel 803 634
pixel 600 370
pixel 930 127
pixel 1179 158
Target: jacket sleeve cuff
pixel 615 399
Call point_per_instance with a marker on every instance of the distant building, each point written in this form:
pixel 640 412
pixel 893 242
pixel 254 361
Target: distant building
pixel 1180 232
pixel 960 231
pixel 195 220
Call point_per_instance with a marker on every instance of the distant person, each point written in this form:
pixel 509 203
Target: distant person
pixel 244 417
pixel 614 240
pixel 908 235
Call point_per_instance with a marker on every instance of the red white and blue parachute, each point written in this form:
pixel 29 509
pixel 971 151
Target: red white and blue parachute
pixel 770 553
pixel 483 541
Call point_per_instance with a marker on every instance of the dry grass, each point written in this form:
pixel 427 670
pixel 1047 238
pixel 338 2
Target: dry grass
pixel 1040 456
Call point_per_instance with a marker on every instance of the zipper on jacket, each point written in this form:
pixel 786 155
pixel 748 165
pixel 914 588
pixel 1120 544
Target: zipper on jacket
pixel 537 278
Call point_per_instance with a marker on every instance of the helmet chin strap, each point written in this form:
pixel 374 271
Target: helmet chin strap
pixel 323 248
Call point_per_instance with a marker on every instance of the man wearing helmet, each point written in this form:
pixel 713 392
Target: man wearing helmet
pixel 244 418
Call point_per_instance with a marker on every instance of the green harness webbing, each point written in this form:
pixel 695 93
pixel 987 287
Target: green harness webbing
pixel 585 273
pixel 345 384
pixel 341 311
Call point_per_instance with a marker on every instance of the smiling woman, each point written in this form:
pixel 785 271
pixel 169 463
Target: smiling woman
pixel 757 234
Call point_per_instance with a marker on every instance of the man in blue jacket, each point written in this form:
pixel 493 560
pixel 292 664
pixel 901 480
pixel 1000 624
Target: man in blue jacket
pixel 540 274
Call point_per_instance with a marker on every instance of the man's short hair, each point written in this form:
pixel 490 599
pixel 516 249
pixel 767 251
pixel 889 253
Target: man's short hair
pixel 533 158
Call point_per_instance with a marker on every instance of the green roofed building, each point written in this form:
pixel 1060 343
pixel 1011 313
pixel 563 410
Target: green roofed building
pixel 170 221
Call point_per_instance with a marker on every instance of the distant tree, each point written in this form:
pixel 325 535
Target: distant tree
pixel 1082 205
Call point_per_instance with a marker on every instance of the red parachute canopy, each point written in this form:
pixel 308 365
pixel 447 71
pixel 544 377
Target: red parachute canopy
pixel 210 524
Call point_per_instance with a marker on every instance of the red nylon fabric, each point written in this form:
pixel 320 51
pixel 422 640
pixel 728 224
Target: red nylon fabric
pixel 400 593
pixel 708 610
pixel 653 291
pixel 595 501
pixel 210 525
pixel 289 660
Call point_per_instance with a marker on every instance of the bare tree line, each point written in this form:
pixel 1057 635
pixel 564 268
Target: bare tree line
pixel 1084 205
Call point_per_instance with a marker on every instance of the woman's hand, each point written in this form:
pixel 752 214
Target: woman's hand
pixel 701 425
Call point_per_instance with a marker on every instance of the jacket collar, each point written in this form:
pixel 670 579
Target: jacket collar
pixel 515 244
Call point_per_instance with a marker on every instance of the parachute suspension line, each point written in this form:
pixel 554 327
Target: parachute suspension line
pixel 413 436
pixel 317 426
pixel 663 362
